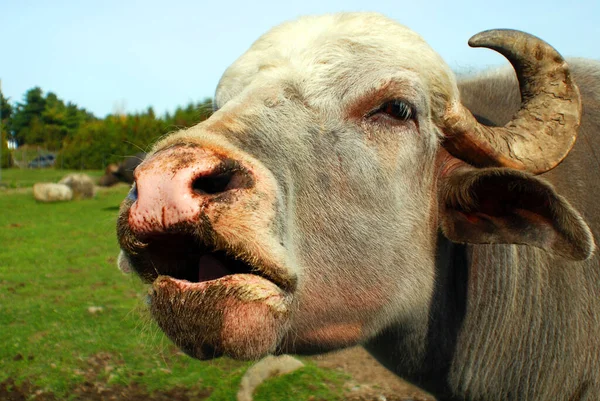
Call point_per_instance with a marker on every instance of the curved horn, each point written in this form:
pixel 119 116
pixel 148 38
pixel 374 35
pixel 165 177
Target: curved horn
pixel 543 131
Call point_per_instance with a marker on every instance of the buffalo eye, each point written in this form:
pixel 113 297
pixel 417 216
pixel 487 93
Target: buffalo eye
pixel 396 109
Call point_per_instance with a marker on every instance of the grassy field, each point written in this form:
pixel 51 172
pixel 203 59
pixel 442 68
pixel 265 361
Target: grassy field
pixel 69 319
pixel 24 178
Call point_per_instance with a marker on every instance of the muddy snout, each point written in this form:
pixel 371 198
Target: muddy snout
pixel 174 187
pixel 198 226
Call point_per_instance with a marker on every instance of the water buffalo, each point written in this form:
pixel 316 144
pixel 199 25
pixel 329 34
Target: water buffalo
pixel 122 172
pixel 348 190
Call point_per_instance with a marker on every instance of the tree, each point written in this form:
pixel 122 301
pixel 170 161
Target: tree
pixel 84 141
pixel 54 122
pixel 6 111
pixel 6 108
pixel 190 115
pixel 46 120
pixel 25 113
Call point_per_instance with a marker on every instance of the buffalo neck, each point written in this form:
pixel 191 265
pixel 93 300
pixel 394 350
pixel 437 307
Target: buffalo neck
pixel 424 365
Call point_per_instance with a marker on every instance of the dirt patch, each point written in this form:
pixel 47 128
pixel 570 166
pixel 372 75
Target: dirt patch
pixel 89 391
pixel 371 381
pixel 11 391
pixel 134 392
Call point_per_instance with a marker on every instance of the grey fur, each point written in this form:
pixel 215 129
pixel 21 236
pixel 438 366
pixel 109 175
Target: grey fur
pixel 528 327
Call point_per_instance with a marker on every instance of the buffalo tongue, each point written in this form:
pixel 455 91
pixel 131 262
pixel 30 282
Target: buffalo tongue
pixel 211 268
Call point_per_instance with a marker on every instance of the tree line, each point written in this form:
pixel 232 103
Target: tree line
pixel 81 140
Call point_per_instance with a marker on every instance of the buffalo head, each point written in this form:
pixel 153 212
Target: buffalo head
pixel 304 214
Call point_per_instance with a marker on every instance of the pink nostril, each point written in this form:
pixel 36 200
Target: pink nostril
pixel 228 175
pixel 225 176
pixel 212 184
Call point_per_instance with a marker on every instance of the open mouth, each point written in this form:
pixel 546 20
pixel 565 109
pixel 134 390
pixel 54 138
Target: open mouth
pixel 183 257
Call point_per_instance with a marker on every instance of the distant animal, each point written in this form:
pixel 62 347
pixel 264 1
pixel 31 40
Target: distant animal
pixel 348 189
pixel 122 172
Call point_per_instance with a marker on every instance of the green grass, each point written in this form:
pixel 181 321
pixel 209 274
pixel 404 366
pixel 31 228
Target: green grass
pixel 59 259
pixel 22 178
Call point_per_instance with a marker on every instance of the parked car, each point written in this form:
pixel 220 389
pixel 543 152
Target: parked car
pixel 42 161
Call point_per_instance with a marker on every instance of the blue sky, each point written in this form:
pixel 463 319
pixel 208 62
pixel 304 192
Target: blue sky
pixel 119 55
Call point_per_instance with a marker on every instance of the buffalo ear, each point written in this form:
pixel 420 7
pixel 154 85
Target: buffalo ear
pixel 504 206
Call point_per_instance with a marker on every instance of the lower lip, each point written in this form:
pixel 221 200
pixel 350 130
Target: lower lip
pixel 240 315
pixel 247 287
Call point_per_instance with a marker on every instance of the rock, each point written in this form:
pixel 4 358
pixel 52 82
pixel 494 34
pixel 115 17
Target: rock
pixel 95 309
pixel 262 370
pixel 50 192
pixel 81 184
